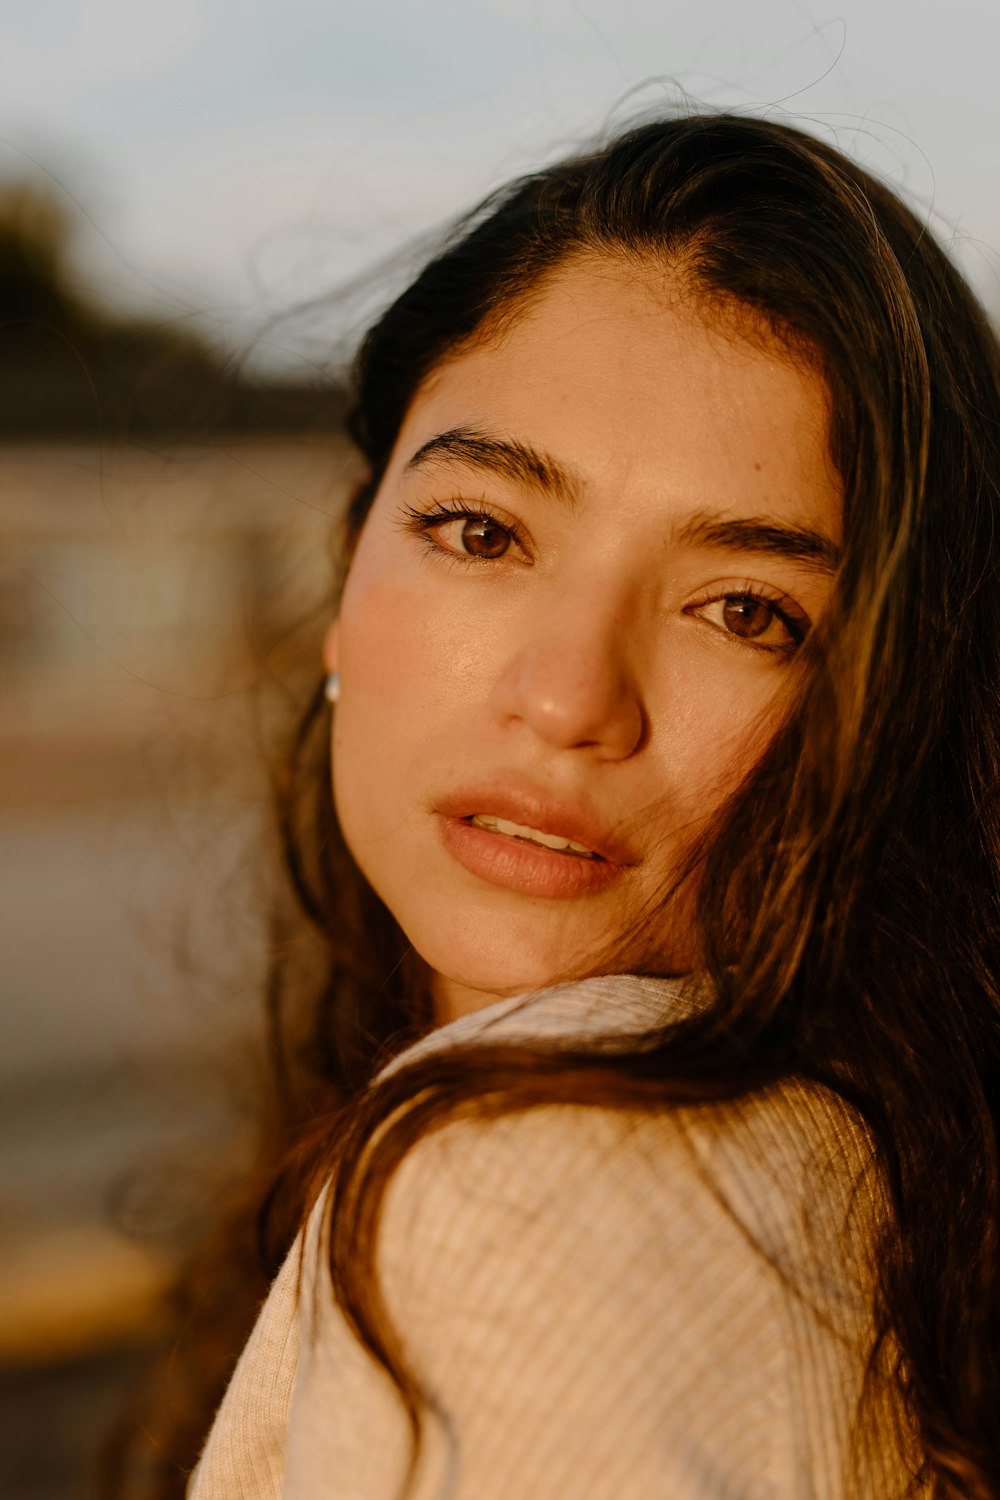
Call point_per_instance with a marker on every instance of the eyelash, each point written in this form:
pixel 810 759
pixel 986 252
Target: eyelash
pixel 424 523
pixel 795 620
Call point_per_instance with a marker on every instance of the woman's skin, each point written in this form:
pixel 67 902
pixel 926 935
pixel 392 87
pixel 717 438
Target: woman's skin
pixel 606 654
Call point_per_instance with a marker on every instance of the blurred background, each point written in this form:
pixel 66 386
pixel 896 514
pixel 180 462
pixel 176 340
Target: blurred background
pixel 201 204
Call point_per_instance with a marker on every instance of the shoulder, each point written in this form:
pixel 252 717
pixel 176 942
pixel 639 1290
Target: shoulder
pixel 785 1175
pixel 782 1169
pixel 677 1279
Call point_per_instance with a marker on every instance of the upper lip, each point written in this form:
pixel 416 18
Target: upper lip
pixel 522 803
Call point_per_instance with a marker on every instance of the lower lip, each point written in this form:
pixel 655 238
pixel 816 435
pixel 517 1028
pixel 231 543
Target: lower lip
pixel 518 865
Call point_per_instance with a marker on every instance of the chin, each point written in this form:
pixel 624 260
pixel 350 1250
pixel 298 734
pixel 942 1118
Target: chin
pixel 475 978
pixel 500 978
pixel 492 952
pixel 496 975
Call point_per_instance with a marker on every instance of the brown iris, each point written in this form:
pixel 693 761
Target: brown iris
pixel 482 537
pixel 747 617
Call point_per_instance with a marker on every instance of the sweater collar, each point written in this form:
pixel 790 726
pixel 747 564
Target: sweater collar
pixel 605 1013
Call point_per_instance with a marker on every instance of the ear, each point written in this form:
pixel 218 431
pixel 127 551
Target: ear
pixel 331 646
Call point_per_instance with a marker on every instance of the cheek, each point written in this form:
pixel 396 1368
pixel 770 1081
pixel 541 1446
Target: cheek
pixel 716 725
pixel 380 689
pixel 413 649
pixel 388 648
pixel 397 684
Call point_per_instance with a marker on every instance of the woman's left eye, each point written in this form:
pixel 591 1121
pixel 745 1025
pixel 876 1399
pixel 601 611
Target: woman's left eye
pixel 755 619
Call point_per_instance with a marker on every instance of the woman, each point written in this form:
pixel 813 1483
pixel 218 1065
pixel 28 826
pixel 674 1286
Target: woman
pixel 665 682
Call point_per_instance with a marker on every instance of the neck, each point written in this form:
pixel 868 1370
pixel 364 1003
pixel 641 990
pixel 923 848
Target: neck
pixel 453 999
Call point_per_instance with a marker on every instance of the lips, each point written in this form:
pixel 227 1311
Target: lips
pixel 529 808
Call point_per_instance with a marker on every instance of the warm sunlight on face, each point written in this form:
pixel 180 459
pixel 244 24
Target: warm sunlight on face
pixel 570 625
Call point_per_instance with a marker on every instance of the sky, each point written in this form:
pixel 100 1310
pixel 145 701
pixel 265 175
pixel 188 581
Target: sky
pixel 227 161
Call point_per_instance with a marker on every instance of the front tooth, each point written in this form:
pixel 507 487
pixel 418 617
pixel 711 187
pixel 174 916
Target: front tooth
pixel 550 840
pixel 520 830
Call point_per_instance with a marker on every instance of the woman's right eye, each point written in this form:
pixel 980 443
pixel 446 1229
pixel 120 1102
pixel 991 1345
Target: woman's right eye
pixel 466 535
pixel 473 536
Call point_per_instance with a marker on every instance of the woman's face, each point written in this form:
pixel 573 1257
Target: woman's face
pixel 570 626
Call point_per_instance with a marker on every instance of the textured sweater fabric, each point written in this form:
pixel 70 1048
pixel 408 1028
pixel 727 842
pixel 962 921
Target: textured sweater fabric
pixel 601 1305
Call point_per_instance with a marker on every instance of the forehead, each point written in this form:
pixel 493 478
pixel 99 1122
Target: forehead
pixel 648 394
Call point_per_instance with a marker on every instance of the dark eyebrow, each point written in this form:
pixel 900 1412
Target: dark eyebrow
pixel 526 465
pixel 754 534
pixel 504 456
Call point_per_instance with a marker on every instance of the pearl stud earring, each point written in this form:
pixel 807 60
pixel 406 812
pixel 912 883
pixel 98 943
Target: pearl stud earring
pixel 331 688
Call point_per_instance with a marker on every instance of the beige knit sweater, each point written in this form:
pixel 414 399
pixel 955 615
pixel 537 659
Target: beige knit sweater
pixel 603 1306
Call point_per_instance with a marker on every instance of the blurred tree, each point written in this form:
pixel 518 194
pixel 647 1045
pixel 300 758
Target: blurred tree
pixel 34 233
pixel 71 368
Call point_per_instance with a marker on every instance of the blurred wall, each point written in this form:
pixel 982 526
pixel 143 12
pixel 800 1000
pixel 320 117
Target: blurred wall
pixel 148 599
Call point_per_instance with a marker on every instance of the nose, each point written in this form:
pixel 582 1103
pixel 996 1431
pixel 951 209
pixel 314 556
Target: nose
pixel 572 685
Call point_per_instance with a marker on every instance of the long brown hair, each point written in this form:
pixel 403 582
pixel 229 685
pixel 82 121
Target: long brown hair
pixel 859 862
